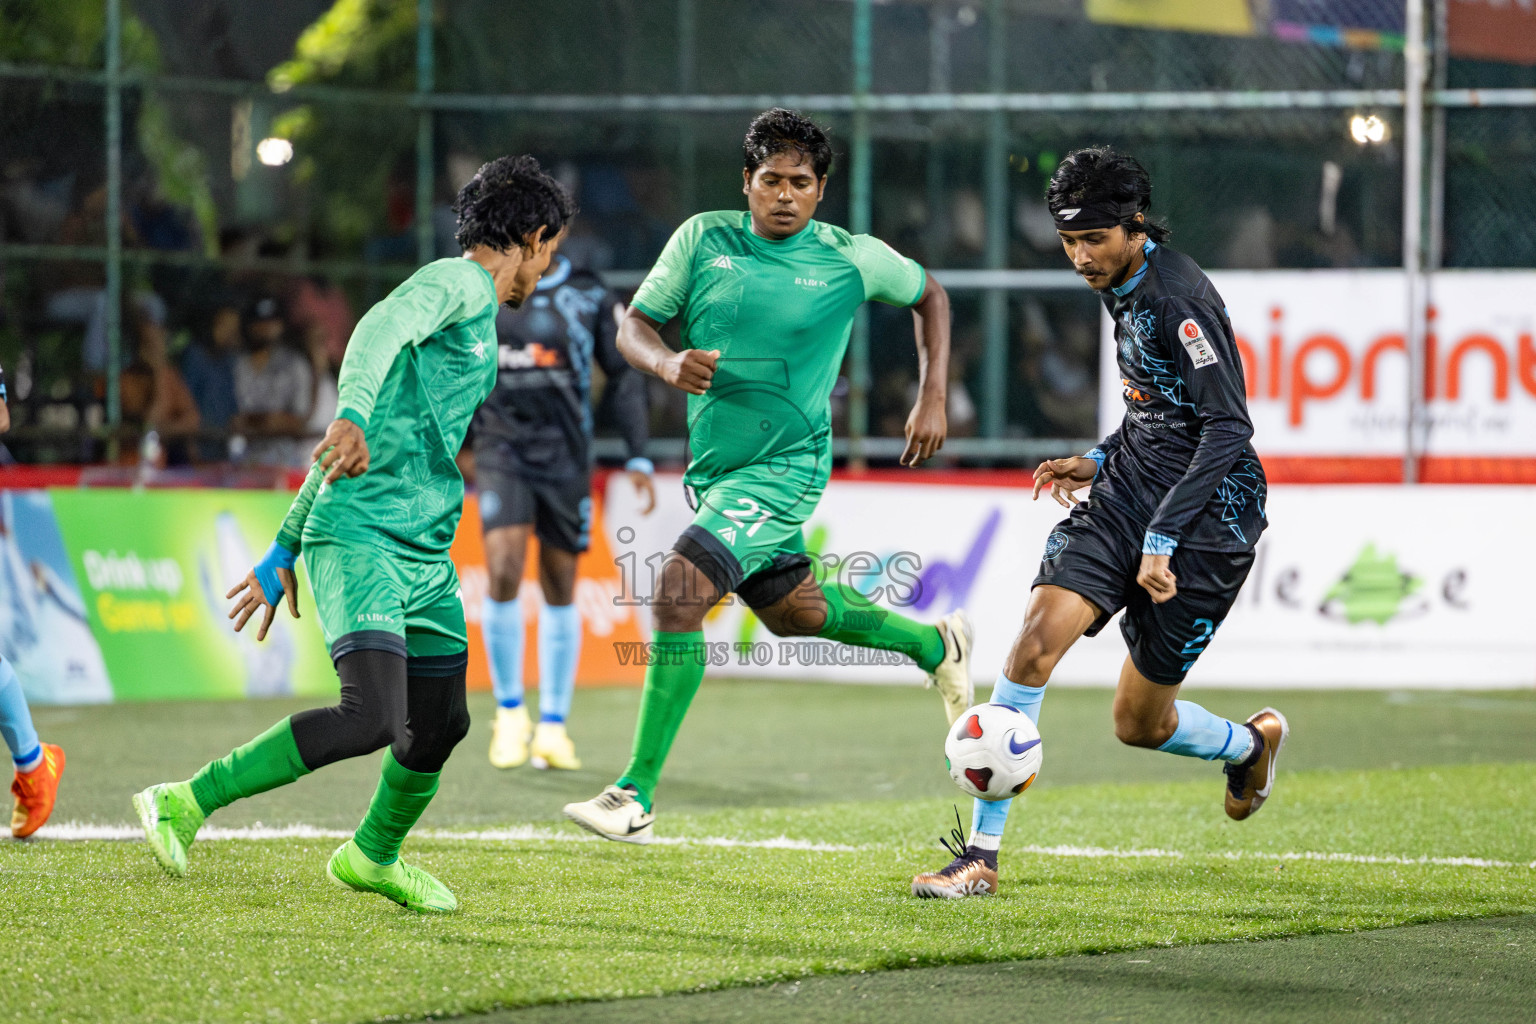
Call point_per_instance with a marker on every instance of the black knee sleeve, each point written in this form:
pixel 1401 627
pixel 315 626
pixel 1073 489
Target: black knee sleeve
pixel 371 714
pixel 437 719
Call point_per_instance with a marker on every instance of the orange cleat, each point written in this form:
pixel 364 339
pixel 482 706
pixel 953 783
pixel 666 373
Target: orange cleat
pixel 36 791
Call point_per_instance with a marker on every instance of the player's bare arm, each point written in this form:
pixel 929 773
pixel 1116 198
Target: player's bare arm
pixel 927 424
pixel 343 451
pixel 640 343
pixel 1065 477
pixel 5 417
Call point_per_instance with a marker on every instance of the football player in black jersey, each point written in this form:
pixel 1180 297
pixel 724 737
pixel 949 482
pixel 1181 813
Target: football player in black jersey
pixel 1177 505
pixel 532 464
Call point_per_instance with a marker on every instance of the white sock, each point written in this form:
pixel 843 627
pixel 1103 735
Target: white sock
pixel 983 841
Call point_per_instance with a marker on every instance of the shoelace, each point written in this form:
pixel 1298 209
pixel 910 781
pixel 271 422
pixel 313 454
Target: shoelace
pixel 1237 776
pixel 958 848
pixel 612 800
pixel 1237 773
pixel 416 881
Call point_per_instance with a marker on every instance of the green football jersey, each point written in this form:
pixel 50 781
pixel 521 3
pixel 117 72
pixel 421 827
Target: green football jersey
pixel 418 366
pixel 780 314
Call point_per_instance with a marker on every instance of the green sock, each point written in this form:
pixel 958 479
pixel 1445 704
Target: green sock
pixel 266 762
pixel 670 683
pixel 397 805
pixel 854 619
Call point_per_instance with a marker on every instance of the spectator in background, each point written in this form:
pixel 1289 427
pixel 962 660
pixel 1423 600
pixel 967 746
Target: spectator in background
pixel 154 395
pixel 274 390
pixel 208 367
pixel 317 303
pixel 326 396
pixel 1069 380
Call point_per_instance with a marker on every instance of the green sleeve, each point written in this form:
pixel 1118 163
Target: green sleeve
pixel 438 295
pixel 665 289
pixel 889 276
pixel 291 534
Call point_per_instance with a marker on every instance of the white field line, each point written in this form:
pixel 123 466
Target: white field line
pixel 74 831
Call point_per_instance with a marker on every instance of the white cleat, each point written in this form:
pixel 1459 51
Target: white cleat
pixel 953 675
pixel 509 737
pixel 615 814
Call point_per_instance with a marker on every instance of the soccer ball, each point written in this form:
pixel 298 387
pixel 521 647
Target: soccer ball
pixel 993 751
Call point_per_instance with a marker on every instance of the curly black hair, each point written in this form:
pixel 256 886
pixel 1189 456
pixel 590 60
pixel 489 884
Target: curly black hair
pixel 1099 172
pixel 781 131
pixel 507 200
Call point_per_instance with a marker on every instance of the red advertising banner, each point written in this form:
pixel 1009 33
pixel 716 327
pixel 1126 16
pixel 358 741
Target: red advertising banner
pixel 1502 30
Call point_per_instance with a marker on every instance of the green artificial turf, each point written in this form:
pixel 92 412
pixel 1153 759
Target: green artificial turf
pixel 766 745
pixel 256 932
pixel 1457 972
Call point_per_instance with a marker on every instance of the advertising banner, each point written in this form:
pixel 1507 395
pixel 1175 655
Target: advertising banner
pixel 608 614
pixel 1327 371
pixel 1374 586
pixel 1503 30
pixel 119 595
pixel 45 631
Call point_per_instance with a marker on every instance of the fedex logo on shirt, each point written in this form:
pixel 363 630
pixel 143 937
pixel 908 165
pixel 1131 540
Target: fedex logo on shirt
pixel 526 358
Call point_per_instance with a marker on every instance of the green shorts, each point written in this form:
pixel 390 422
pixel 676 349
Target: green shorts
pixel 369 600
pixel 746 536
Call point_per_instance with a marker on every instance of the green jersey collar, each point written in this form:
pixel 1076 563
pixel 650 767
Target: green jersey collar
pixel 800 237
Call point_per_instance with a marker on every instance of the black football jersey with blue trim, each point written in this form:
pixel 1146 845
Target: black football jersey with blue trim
pixel 538 421
pixel 1181 460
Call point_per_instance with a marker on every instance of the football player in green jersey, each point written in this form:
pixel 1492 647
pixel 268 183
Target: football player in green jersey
pixel 374 522
pixel 766 300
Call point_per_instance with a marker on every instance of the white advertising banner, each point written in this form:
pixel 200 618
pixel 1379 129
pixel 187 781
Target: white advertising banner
pixel 1327 370
pixel 1361 586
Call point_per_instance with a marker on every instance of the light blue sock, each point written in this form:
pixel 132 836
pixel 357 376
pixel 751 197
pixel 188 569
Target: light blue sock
pixel 502 624
pixel 559 651
pixel 16 721
pixel 1204 735
pixel 989 817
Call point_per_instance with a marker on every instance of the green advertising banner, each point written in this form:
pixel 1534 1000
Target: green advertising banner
pixel 152 568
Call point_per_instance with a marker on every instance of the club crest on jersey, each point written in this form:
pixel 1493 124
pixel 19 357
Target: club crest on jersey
pixel 1201 351
pixel 1055 544
pixel 723 262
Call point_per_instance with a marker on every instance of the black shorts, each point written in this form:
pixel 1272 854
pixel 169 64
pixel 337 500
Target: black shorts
pixel 764 587
pixel 1096 552
pixel 560 509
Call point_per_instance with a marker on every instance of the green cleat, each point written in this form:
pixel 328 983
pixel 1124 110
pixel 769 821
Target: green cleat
pixel 171 817
pixel 409 886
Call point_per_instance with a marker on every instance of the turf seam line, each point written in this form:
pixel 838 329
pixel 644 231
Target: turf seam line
pixel 74 831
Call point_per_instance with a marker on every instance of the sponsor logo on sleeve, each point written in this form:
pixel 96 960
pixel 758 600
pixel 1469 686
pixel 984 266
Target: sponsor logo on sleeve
pixel 1201 351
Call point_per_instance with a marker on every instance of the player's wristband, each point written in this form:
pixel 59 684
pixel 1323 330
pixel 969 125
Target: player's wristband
pixel 1158 544
pixel 640 464
pixel 1098 456
pixel 277 557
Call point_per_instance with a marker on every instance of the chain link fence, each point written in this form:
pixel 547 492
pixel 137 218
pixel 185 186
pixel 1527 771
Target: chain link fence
pixel 308 152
